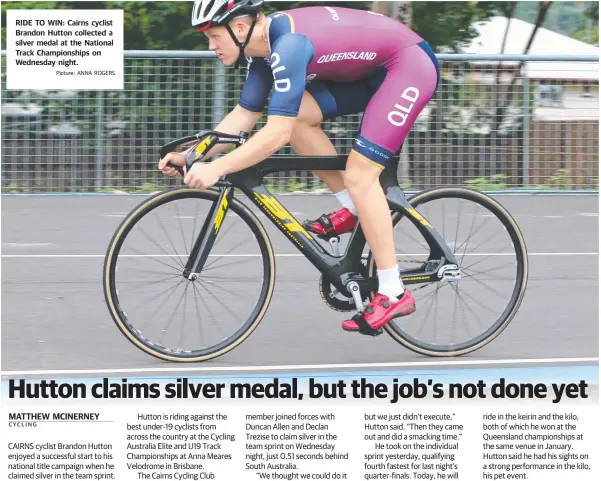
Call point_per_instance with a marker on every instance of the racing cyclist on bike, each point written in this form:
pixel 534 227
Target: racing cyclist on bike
pixel 323 62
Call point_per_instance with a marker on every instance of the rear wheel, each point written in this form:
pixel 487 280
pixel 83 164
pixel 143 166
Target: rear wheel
pixel 169 316
pixel 455 317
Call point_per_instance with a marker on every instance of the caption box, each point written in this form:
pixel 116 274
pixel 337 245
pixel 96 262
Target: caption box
pixel 64 49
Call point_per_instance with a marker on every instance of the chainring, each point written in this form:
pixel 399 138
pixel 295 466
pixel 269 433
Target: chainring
pixel 335 299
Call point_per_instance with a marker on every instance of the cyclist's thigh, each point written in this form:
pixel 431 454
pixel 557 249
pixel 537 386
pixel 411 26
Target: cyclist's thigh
pixel 411 80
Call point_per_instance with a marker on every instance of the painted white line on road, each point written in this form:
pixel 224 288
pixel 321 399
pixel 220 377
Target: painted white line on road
pixel 589 214
pixel 28 244
pixel 474 362
pixel 487 254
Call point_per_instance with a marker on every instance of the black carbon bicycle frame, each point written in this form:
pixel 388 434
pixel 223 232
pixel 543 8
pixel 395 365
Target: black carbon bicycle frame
pixel 337 270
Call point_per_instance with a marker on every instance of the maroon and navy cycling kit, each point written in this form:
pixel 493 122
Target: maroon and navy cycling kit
pixel 349 61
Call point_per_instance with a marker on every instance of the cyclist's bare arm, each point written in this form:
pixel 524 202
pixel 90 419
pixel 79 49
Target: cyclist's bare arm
pixel 238 120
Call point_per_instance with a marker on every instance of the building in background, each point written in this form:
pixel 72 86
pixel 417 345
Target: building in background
pixel 562 90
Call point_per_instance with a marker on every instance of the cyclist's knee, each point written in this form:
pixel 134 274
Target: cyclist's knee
pixel 301 128
pixel 360 173
pixel 357 180
pixel 302 132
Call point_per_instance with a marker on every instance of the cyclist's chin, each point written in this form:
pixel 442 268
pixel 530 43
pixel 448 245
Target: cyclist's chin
pixel 227 61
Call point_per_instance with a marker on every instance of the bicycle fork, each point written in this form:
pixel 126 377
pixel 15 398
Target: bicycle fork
pixel 206 238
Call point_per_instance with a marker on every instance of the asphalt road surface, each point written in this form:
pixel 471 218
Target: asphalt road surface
pixel 54 316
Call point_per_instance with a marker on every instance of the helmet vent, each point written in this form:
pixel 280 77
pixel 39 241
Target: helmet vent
pixel 209 7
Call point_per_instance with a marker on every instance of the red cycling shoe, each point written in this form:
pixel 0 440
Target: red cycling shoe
pixel 379 312
pixel 333 224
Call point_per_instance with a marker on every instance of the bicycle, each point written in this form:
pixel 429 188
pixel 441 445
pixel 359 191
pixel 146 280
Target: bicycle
pixel 438 270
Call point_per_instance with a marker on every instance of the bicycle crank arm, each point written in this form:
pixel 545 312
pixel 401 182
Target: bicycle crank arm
pixel 353 288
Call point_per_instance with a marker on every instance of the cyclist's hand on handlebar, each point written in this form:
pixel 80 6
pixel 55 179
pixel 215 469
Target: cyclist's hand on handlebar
pixel 202 176
pixel 175 158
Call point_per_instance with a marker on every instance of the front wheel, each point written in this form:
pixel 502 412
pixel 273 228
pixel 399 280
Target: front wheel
pixel 458 316
pixel 157 307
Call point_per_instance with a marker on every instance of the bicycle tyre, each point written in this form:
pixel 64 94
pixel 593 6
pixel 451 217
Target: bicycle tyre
pixel 111 294
pixel 512 307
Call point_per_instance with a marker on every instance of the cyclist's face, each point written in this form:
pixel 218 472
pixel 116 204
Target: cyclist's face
pixel 222 44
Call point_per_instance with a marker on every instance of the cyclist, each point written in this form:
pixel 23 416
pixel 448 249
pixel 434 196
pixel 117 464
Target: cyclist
pixel 323 62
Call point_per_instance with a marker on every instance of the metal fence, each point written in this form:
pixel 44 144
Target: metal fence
pixel 496 122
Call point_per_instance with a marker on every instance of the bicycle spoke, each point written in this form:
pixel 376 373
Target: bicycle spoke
pixel 223 235
pixel 194 227
pixel 199 316
pixel 467 305
pixel 228 264
pixel 490 276
pixel 227 252
pixel 173 315
pixel 486 286
pixel 228 291
pixel 224 305
pixel 169 239
pixel 482 259
pixel 454 323
pixel 181 227
pixel 469 236
pixel 470 232
pixel 423 299
pixel 181 331
pixel 155 311
pixel 457 230
pixel 476 301
pixel 146 271
pixel 212 318
pixel 461 302
pixel 154 258
pixel 146 284
pixel 240 279
pixel 435 316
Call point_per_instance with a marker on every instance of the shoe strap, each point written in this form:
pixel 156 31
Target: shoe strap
pixel 364 327
pixel 325 221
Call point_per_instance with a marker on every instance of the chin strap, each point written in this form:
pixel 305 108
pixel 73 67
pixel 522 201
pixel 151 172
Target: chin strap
pixel 242 45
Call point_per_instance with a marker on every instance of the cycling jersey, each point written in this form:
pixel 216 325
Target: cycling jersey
pixel 350 61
